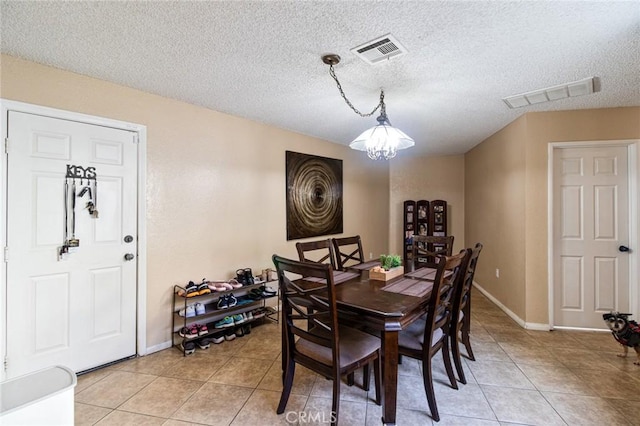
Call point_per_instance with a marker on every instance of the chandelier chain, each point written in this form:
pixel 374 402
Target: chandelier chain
pixel 380 105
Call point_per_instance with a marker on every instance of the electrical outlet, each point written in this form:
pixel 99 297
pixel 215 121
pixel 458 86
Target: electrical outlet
pixel 370 255
pixel 497 273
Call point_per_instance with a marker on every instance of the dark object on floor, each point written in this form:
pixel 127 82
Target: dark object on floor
pixel 625 331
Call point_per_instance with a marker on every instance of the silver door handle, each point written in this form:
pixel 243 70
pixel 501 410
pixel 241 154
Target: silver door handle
pixel 129 256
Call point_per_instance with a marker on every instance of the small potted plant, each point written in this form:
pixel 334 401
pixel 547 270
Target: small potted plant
pixel 390 267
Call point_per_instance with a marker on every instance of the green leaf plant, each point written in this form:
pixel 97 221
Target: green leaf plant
pixel 388 261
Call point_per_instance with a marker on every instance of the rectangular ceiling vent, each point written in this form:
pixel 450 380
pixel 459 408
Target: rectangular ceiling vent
pixel 567 90
pixel 380 49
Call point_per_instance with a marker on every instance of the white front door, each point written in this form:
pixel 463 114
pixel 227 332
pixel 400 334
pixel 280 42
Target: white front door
pixel 591 222
pixel 79 309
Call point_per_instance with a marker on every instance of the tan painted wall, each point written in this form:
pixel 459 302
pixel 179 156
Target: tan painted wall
pixel 494 213
pixel 427 178
pixel 216 183
pixel 562 126
pixel 506 206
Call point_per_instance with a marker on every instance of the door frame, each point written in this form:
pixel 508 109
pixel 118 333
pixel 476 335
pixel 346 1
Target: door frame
pixel 141 273
pixel 634 183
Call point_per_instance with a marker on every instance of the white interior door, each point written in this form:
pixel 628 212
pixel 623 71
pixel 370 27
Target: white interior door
pixel 78 311
pixel 591 222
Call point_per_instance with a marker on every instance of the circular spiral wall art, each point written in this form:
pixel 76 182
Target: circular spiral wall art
pixel 314 195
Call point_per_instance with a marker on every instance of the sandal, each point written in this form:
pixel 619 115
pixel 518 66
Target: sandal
pixel 255 294
pixel 234 283
pixel 219 286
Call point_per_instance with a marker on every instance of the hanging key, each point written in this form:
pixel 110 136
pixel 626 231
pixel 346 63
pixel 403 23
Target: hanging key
pixel 84 191
pixel 93 212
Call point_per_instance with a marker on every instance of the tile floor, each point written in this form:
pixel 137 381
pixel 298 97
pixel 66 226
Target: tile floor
pixel 519 377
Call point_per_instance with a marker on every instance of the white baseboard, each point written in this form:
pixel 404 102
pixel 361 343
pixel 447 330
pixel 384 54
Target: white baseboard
pixel 560 327
pixel 159 347
pixel 537 326
pixel 522 323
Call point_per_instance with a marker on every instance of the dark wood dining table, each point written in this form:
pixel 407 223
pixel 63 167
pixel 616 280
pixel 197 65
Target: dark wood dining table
pixel 387 307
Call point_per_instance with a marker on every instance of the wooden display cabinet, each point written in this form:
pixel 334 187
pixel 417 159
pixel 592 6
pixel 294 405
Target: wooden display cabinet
pixel 408 230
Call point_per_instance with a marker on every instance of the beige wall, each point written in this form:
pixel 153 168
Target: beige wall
pixel 506 206
pixel 215 183
pixel 494 213
pixel 427 178
pixel 562 126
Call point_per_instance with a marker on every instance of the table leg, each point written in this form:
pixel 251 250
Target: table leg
pixel 389 376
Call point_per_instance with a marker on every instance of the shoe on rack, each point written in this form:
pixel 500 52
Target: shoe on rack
pixel 248 276
pixel 217 338
pixel 239 332
pixel 246 328
pixel 248 316
pixel 203 343
pixel 255 294
pixel 268 291
pixel 188 313
pixel 224 322
pixel 229 335
pixel 234 283
pixel 231 300
pixel 240 276
pixel 192 289
pixel 187 347
pixel 223 302
pixel 244 300
pixel 203 288
pixel 258 313
pixel 188 332
pixel 200 310
pixel 214 286
pixel 202 329
pixel 238 319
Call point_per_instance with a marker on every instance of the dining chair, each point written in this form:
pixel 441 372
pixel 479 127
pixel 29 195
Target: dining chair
pixel 426 248
pixel 350 256
pixel 461 315
pixel 313 337
pixel 424 338
pixel 322 252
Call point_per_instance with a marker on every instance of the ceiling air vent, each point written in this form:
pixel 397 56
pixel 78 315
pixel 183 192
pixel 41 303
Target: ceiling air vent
pixel 380 49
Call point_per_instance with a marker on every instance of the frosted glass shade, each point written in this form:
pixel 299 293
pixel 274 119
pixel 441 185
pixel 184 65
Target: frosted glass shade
pixel 382 141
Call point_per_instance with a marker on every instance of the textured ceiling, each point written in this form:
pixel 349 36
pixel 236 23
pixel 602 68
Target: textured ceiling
pixel 261 59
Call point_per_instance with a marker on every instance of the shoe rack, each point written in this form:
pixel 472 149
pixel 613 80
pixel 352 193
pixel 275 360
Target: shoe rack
pixel 249 298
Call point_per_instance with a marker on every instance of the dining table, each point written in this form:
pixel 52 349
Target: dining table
pixel 386 307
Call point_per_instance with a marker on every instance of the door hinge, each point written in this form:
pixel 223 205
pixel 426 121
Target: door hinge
pixel 6 363
pixel 6 145
pixel 136 138
pixel 6 254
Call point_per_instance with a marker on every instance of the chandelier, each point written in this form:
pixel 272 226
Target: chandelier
pixel 382 141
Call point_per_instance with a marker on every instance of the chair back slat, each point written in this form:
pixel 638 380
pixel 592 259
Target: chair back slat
pixel 316 251
pixel 462 298
pixel 348 251
pixel 449 277
pixel 309 308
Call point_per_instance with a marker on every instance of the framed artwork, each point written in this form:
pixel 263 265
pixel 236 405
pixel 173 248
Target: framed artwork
pixel 314 195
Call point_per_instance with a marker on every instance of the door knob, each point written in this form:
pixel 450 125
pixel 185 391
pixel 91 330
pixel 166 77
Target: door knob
pixel 129 256
pixel 623 248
